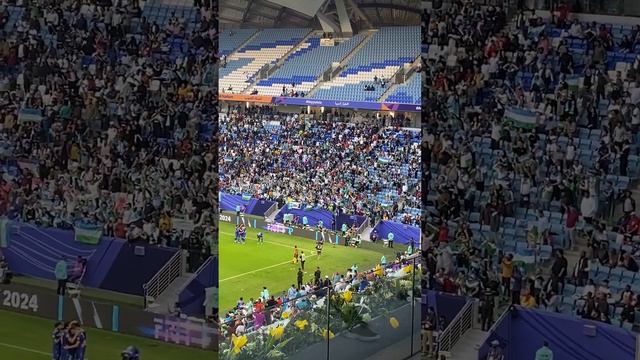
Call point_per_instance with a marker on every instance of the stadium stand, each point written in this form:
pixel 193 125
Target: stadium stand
pixel 378 176
pixel 296 67
pixel 531 150
pixel 388 50
pixel 100 133
pixel 267 47
pixel 408 92
pixel 230 40
pixel 305 65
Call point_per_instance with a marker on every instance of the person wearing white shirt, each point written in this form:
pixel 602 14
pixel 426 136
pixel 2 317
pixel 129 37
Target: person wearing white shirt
pixel 496 131
pixel 589 288
pixel 576 29
pixel 588 207
pixel 604 289
pixel 570 154
pixel 619 134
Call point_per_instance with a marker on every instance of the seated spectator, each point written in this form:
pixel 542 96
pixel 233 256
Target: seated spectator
pixel 588 306
pixel 629 263
pixel 528 301
pixel 628 314
pixel 626 296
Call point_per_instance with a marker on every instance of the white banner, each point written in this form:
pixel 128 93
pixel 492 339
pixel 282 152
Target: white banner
pixel 182 224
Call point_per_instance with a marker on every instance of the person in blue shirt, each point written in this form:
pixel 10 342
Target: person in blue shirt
pixel 57 336
pixel 260 237
pixel 64 353
pixel 72 341
pixel 237 238
pixel 243 234
pixel 131 353
pixel 390 238
pixel 292 292
pixel 82 338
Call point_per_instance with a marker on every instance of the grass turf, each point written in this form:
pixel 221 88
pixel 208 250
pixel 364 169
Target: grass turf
pixel 26 337
pixel 246 268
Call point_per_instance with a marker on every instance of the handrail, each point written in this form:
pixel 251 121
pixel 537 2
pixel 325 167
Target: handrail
pixel 195 274
pixel 493 327
pixel 462 322
pixel 163 278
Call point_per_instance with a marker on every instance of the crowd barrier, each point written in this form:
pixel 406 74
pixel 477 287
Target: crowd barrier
pixel 402 233
pixel 522 331
pixel 192 296
pixel 329 219
pixel 259 223
pixel 229 202
pixel 34 251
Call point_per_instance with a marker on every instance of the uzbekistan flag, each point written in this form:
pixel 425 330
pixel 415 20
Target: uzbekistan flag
pixel 519 117
pixel 87 233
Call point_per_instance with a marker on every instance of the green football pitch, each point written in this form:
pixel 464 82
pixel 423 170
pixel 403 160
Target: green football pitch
pixel 24 337
pixel 246 268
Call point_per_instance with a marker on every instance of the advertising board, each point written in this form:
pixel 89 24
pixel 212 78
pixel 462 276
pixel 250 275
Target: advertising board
pixel 129 320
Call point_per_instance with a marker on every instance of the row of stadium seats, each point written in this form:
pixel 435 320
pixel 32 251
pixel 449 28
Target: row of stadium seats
pixel 306 64
pixel 408 93
pixel 267 47
pixel 232 39
pixel 375 59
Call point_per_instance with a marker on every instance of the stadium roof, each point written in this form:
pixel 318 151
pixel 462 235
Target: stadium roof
pixel 363 14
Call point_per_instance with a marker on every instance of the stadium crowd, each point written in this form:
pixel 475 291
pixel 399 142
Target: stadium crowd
pixel 319 161
pixel 103 123
pixel 268 309
pixel 530 150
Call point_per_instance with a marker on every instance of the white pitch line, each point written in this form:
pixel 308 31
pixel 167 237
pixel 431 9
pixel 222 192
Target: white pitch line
pixel 24 349
pixel 264 268
pixel 268 242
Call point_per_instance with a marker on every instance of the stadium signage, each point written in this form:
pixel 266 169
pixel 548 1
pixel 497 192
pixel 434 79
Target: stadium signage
pixel 243 98
pixel 327 42
pixel 276 227
pixel 45 303
pixel 20 300
pixel 279 228
pixel 169 329
pixel 284 100
pixel 183 332
pixel 29 300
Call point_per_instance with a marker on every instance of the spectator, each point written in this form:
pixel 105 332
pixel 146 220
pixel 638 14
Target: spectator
pixel 61 275
pixel 495 352
pixel 5 271
pixel 115 114
pixel 544 353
